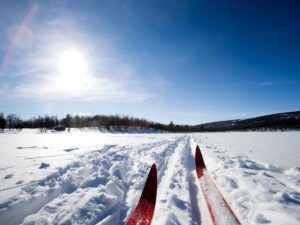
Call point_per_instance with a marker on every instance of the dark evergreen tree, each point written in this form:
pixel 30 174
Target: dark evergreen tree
pixel 2 122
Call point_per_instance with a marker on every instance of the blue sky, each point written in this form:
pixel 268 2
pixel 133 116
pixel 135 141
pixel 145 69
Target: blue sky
pixel 186 61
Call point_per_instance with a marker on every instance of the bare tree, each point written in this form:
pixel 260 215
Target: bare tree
pixel 13 121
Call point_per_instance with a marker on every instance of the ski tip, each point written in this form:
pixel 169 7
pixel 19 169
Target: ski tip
pixel 150 187
pixel 153 168
pixel 199 161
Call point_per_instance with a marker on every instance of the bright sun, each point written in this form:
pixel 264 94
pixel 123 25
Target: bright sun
pixel 73 69
pixel 72 63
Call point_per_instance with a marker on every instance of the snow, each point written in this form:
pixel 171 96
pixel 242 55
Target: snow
pixel 221 213
pixel 275 148
pixel 258 191
pixel 92 177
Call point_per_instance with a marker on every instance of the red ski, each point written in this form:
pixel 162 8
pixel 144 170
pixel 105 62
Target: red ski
pixel 219 210
pixel 144 211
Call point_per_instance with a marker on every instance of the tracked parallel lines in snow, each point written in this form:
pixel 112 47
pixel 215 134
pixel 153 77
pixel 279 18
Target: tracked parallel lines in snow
pixel 192 185
pixel 19 185
pixel 46 156
pixel 173 201
pixel 141 160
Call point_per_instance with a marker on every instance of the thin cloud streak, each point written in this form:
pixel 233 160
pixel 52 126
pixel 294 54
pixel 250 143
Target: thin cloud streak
pixel 267 83
pixel 257 84
pixel 177 113
pixel 91 89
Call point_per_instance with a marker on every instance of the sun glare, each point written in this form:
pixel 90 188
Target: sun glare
pixel 72 63
pixel 73 69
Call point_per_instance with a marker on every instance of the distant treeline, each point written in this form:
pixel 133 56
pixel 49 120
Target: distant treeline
pixel 13 121
pixel 280 121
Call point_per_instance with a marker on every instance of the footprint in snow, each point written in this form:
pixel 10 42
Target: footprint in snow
pixel 8 176
pixel 232 183
pixel 179 203
pixel 260 218
pixel 44 165
pixel 70 149
pixel 27 147
pixel 20 182
pixel 288 198
pixel 267 174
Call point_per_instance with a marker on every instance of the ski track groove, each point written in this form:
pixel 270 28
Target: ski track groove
pixel 192 184
pixel 166 150
pixel 178 171
pixel 132 163
pixel 164 181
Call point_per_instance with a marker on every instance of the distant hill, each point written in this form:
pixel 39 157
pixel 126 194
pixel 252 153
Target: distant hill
pixel 287 120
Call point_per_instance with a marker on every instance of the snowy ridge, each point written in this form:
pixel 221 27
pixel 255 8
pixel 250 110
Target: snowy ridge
pixel 96 178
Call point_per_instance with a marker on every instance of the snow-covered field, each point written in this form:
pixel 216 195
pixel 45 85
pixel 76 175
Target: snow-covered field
pixel 88 177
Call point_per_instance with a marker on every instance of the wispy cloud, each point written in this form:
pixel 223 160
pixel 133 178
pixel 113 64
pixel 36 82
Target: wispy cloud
pixel 266 83
pixel 33 74
pixel 49 86
pixel 91 88
pixel 195 114
pixel 254 84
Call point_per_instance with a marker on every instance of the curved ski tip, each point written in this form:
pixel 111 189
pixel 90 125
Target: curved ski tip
pixel 150 188
pixel 152 176
pixel 199 158
pixel 153 168
pixel 199 161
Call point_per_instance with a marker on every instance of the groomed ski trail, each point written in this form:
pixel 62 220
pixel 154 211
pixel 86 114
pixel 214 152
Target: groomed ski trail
pixel 177 199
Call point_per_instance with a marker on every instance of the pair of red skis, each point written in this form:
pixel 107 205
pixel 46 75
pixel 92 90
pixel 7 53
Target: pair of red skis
pixel 218 208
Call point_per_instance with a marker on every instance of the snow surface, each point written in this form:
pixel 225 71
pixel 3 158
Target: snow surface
pixel 89 177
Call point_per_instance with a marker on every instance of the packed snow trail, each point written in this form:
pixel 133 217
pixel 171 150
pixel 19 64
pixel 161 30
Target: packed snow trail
pixel 173 200
pixel 89 177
